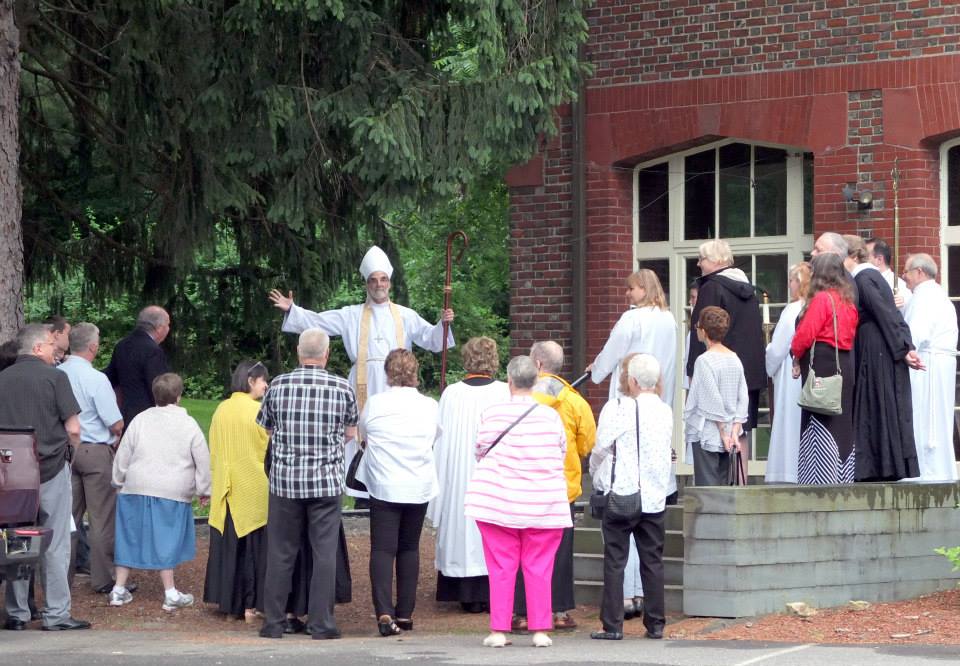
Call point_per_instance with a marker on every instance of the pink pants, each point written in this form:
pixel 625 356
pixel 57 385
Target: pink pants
pixel 506 548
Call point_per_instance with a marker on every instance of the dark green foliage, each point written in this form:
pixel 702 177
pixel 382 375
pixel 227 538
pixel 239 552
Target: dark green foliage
pixel 197 153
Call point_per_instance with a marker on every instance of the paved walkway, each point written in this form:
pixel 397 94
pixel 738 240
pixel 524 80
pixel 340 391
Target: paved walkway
pixel 160 649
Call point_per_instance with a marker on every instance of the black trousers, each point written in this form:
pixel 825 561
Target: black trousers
pixel 395 541
pixel 648 532
pixel 287 520
pixel 561 585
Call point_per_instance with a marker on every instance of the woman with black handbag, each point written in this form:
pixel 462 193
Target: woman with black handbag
pixel 635 433
pixel 821 345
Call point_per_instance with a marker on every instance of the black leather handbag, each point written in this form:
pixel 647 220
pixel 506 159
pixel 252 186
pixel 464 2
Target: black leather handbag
pixel 352 483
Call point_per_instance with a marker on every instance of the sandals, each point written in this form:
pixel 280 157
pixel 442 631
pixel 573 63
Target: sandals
pixel 387 627
pixel 405 625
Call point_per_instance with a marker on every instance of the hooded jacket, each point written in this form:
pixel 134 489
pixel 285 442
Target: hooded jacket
pixel 730 289
pixel 578 422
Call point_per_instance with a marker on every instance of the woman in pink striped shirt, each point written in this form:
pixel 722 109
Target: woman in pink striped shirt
pixel 518 497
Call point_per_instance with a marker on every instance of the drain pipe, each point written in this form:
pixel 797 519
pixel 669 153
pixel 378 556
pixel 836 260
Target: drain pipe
pixel 578 228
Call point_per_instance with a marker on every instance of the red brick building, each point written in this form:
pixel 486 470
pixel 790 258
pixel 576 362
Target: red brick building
pixel 741 119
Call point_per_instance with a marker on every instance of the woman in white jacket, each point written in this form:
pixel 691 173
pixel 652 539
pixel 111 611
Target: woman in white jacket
pixel 785 429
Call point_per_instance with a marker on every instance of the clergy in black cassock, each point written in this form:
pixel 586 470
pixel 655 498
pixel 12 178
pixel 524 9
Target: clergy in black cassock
pixel 882 405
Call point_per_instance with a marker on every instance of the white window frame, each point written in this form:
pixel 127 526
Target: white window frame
pixel 949 236
pixel 677 249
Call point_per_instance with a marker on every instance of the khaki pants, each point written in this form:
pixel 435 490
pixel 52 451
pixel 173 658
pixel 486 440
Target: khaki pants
pixel 94 495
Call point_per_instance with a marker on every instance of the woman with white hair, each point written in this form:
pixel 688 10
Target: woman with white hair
pixel 518 496
pixel 635 431
pixel 725 286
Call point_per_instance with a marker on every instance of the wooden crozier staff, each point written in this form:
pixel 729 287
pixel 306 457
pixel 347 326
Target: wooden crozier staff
pixel 447 293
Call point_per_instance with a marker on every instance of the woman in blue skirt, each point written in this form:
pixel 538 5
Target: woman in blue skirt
pixel 162 463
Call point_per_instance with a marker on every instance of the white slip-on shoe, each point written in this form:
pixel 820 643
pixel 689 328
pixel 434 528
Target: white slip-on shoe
pixel 496 639
pixel 540 639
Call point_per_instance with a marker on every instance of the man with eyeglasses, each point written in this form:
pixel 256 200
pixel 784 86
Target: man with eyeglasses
pixel 37 395
pixel 137 360
pixel 933 329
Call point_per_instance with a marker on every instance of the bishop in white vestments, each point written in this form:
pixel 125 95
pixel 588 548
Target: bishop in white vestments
pixel 933 327
pixel 370 330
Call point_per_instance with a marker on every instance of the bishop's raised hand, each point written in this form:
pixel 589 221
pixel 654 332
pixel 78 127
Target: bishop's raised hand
pixel 281 301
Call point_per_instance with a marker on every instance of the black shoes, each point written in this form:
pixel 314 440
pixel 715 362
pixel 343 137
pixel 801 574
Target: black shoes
pixel 106 589
pixel 294 625
pixel 387 627
pixel 406 625
pixel 270 633
pixel 607 635
pixel 13 624
pixel 474 606
pixel 70 624
pixel 326 635
pixel 656 633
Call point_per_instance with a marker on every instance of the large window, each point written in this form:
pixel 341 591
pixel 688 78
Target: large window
pixel 756 197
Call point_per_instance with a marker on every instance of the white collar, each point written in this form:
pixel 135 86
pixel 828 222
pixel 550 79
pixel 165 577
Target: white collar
pixel 859 268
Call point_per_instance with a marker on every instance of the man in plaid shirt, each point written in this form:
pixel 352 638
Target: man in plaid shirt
pixel 308 413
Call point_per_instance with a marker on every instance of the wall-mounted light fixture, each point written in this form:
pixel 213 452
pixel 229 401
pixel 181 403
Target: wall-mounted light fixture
pixel 863 198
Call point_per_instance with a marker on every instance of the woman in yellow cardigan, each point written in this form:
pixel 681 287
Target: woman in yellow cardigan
pixel 238 502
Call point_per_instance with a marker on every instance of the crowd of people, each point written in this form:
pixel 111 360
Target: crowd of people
pixel 495 467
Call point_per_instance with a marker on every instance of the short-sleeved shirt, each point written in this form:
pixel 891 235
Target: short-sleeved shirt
pixel 36 395
pixel 306 411
pixel 98 402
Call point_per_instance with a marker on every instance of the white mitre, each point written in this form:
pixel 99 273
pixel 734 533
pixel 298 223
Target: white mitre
pixel 375 260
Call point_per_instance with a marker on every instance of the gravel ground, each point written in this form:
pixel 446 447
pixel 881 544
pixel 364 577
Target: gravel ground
pixel 933 619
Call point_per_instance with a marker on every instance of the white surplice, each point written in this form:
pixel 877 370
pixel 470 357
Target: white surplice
pixel 648 330
pixel 785 431
pixel 933 327
pixel 345 323
pixel 459 548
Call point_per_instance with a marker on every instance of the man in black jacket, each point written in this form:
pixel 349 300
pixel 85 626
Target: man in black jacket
pixel 728 287
pixel 137 360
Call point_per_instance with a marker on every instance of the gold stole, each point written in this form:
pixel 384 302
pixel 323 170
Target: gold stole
pixel 363 348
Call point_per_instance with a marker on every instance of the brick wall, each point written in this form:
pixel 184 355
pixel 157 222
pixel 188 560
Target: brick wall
pixel 641 42
pixel 857 83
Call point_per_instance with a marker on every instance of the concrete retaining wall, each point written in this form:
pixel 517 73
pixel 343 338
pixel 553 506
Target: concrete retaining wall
pixel 752 550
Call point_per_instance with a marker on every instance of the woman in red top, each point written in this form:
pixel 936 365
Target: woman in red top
pixel 826 442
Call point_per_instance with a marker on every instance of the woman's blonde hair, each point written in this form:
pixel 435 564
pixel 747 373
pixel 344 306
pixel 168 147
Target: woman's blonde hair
pixel 718 251
pixel 650 283
pixel 856 248
pixel 801 272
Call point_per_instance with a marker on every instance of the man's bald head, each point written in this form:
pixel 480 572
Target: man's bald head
pixel 549 355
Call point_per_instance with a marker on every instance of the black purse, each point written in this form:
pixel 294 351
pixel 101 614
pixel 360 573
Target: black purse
pixel 352 483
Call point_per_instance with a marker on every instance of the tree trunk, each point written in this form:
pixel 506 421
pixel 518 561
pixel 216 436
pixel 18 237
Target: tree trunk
pixel 11 231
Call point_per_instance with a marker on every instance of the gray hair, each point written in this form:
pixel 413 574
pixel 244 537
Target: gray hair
pixel 837 242
pixel 30 336
pixel 924 262
pixel 313 343
pixel 645 370
pixel 717 251
pixel 549 354
pixel 82 336
pixel 152 317
pixel 522 372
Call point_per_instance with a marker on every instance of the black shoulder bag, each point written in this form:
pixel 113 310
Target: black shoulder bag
pixel 626 506
pixel 508 429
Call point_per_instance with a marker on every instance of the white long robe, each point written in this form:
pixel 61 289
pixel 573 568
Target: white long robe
pixel 345 323
pixel 647 330
pixel 785 431
pixel 459 548
pixel 901 287
pixel 933 327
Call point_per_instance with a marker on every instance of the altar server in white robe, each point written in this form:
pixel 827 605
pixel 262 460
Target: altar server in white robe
pixel 370 330
pixel 785 431
pixel 933 328
pixel 461 571
pixel 648 327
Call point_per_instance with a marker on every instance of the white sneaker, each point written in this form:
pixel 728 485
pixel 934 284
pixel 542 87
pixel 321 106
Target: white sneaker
pixel 180 601
pixel 120 598
pixel 496 639
pixel 540 639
